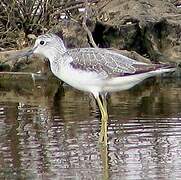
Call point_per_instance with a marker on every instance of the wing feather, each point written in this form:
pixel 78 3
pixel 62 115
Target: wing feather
pixel 104 62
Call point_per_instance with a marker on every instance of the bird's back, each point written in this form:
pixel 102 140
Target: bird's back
pixel 110 64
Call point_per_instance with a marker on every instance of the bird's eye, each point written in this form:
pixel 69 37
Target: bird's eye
pixel 42 42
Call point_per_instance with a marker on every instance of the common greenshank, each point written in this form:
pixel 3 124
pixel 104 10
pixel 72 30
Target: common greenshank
pixel 95 70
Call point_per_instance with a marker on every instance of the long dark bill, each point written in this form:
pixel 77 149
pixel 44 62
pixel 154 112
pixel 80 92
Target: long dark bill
pixel 19 54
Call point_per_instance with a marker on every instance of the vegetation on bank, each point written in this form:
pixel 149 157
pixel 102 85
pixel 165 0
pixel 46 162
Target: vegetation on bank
pixel 20 20
pixel 147 29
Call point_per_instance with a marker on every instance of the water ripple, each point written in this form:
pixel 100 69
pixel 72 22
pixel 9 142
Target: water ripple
pixel 54 134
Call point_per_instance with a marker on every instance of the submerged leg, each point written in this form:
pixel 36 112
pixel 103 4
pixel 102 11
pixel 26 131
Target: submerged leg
pixel 105 161
pixel 104 118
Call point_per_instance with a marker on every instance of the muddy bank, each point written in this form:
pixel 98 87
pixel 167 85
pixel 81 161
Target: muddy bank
pixel 152 28
pixel 145 30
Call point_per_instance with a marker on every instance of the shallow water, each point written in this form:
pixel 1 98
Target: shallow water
pixel 51 132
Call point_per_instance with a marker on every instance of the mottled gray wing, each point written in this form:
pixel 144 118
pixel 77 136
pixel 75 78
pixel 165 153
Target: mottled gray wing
pixel 104 62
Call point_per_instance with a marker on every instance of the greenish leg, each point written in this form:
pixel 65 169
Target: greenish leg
pixel 102 131
pixel 104 102
pixel 104 119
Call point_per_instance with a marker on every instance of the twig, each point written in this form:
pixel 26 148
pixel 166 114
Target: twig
pixel 85 25
pixel 71 6
pixel 105 4
pixel 67 9
pixel 19 73
pixel 34 76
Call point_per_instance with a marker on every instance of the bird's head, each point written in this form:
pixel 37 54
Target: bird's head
pixel 48 45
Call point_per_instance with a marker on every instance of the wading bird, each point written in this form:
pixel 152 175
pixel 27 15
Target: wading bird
pixel 95 70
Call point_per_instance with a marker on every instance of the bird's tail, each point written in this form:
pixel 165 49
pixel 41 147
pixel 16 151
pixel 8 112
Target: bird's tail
pixel 164 68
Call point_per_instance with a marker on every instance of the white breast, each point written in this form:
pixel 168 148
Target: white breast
pixel 82 80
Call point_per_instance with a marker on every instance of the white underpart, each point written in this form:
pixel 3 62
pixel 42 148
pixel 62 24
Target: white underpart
pixel 82 80
pixel 127 82
pixel 95 83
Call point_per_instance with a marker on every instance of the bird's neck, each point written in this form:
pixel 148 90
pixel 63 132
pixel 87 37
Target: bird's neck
pixel 54 54
pixel 58 61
